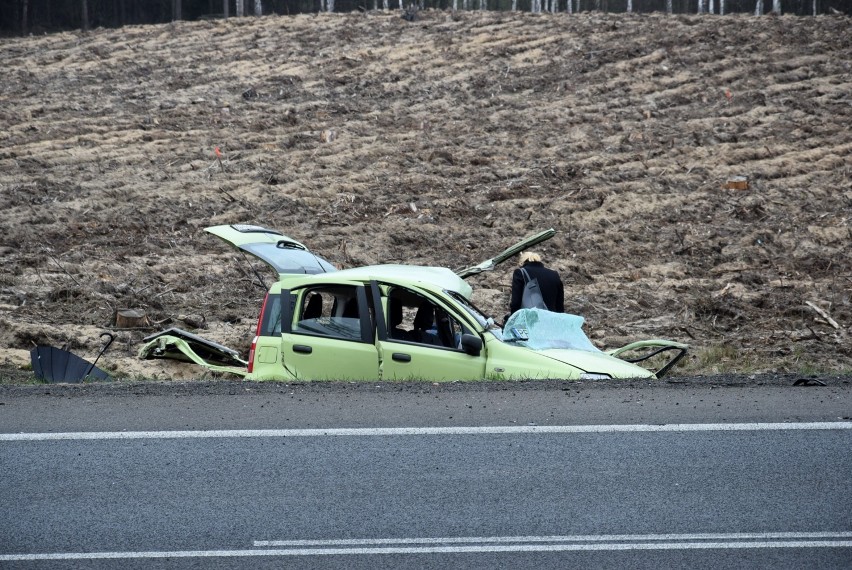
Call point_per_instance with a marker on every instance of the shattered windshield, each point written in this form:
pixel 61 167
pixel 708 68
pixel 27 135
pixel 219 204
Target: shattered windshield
pixel 536 329
pixel 540 330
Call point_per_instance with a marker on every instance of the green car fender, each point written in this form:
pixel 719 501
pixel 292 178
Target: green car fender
pixel 511 362
pixel 507 362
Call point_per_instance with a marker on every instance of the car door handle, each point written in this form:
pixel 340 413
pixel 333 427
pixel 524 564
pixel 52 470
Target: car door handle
pixel 401 357
pixel 303 348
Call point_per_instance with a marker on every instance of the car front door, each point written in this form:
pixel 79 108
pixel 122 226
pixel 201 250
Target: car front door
pixel 330 335
pixel 409 350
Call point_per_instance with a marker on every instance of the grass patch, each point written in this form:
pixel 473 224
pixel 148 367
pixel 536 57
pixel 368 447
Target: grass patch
pixel 721 359
pixel 11 375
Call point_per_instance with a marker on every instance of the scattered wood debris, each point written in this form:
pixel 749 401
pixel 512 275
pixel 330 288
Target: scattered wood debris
pixel 737 183
pixel 823 314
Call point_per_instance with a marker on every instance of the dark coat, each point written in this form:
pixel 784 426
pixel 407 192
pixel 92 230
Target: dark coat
pixel 548 282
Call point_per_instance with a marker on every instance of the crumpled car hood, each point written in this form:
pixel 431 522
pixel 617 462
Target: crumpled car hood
pixel 597 362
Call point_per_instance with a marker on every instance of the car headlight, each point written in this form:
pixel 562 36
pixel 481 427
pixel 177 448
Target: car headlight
pixel 595 376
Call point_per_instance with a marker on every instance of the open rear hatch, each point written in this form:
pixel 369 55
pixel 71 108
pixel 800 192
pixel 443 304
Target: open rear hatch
pixel 284 254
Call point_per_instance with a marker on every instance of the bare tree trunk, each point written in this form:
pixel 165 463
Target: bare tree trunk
pixel 758 8
pixel 721 7
pixel 776 7
pixel 85 15
pixel 815 7
pixel 258 8
pixel 226 8
pixel 177 10
pixel 629 6
pixel 241 10
pixel 668 6
pixel 24 24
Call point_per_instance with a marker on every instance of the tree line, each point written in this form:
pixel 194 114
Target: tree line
pixel 23 17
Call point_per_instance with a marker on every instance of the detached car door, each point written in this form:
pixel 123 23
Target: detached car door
pixel 329 334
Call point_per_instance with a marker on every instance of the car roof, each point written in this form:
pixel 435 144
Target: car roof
pixel 441 277
pixel 430 278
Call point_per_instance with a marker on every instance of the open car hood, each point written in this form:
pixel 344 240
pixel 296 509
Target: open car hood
pixel 284 254
pixel 511 251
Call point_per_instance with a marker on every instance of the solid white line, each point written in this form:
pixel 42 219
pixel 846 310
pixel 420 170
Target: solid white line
pixel 368 432
pixel 575 538
pixel 426 550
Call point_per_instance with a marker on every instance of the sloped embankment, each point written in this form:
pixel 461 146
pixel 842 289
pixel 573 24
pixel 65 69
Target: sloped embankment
pixel 436 142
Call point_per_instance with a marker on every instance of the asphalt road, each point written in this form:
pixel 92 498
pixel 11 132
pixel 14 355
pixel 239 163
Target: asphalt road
pixel 711 473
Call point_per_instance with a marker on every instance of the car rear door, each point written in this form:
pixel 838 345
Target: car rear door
pixel 332 341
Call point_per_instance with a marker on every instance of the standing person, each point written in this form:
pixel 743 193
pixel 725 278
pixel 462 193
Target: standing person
pixel 549 283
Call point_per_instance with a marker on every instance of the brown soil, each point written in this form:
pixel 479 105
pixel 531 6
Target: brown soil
pixel 452 137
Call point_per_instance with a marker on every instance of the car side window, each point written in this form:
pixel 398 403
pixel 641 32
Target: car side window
pixel 331 311
pixel 270 324
pixel 413 318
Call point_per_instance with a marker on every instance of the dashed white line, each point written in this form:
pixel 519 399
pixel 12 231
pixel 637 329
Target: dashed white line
pixel 372 432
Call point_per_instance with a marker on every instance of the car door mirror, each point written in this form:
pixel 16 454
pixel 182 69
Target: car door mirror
pixel 471 344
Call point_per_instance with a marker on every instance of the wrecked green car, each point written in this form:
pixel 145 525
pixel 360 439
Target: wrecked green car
pixel 397 322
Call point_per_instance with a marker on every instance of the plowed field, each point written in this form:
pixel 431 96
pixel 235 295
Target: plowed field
pixel 436 142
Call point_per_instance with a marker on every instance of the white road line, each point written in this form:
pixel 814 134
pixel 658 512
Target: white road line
pixel 430 550
pixel 368 432
pixel 575 538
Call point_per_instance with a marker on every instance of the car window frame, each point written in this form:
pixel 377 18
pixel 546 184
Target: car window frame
pixel 298 296
pixel 381 319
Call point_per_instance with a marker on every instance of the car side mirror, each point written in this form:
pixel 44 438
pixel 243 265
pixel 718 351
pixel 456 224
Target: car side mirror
pixel 471 344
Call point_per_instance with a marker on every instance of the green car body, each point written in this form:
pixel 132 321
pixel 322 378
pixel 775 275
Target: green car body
pixel 382 323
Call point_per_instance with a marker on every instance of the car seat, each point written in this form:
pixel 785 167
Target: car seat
pixel 425 317
pixel 424 325
pixel 313 309
pixel 395 319
pixel 350 309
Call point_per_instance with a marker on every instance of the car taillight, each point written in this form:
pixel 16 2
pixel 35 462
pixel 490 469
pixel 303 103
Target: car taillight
pixel 250 366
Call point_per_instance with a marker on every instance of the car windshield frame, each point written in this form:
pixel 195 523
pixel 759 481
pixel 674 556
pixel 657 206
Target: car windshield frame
pixel 487 323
